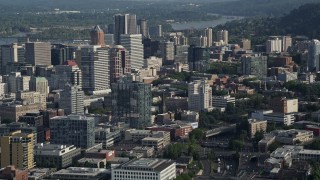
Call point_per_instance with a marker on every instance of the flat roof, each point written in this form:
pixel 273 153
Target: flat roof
pixel 147 164
pixel 80 171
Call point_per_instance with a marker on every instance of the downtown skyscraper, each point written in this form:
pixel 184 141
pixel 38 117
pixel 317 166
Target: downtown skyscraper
pixel 124 24
pixel 95 69
pixel 131 102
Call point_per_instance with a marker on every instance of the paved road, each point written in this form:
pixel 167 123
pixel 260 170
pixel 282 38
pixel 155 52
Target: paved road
pixel 206 170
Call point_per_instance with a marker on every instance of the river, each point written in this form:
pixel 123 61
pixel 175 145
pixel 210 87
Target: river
pixel 203 24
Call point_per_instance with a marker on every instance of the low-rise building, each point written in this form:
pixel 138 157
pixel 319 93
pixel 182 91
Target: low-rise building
pixel 264 143
pixel 159 140
pixel 13 111
pixel 293 136
pixel 92 162
pixel 160 169
pixel 107 138
pixel 280 118
pixel 100 154
pixel 222 101
pixel 54 155
pixel 40 173
pixel 136 135
pixel 10 172
pixel 145 150
pixel 190 116
pixel 81 173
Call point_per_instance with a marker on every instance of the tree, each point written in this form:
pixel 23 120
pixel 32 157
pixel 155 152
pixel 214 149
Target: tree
pixel 258 136
pixel 174 151
pixel 315 171
pixel 6 121
pixel 274 146
pixel 101 165
pixel 236 145
pixel 315 145
pixel 197 134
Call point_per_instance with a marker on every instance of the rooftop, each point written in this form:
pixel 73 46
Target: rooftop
pixel 81 171
pixel 147 164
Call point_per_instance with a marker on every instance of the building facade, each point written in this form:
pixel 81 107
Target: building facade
pixel 254 65
pixel 75 130
pixel 38 53
pixel 95 69
pixel 131 102
pixel 54 155
pixel 133 44
pixel 17 150
pixel 72 100
pixel 139 169
pixel 199 96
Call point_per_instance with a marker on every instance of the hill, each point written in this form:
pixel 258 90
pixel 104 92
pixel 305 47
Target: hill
pixel 301 21
pixel 255 7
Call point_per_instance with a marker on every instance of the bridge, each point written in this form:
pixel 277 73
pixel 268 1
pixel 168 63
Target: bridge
pixel 219 130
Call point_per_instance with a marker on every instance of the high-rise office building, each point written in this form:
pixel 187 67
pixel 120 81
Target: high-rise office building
pixel 143 28
pixel 314 55
pixel 199 96
pixel 11 54
pixel 223 35
pixel 97 36
pixel 38 53
pixel 274 45
pixel 208 34
pixel 155 31
pixel 167 52
pixel 95 69
pixel 124 24
pixel 131 102
pixel 133 44
pixel 69 73
pixel 198 58
pixel 254 65
pixel 71 100
pixel 109 39
pixel 39 84
pixel 17 150
pixel 286 43
pixel 61 53
pixel 75 130
pixel 119 63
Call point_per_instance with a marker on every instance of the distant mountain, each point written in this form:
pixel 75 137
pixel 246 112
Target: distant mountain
pixel 255 7
pixel 304 20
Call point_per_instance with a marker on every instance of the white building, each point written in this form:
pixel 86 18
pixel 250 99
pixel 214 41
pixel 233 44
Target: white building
pixel 142 169
pixel 167 50
pixel 133 43
pixel 199 96
pixel 274 45
pixel 280 118
pixel 95 69
pixel 3 89
pixel 222 101
pixel 314 55
pixel 81 173
pixel 153 62
pixel 72 100
pixel 190 116
pixel 39 84
pixel 286 119
pixel 208 34
pixel 286 43
pixel 223 36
